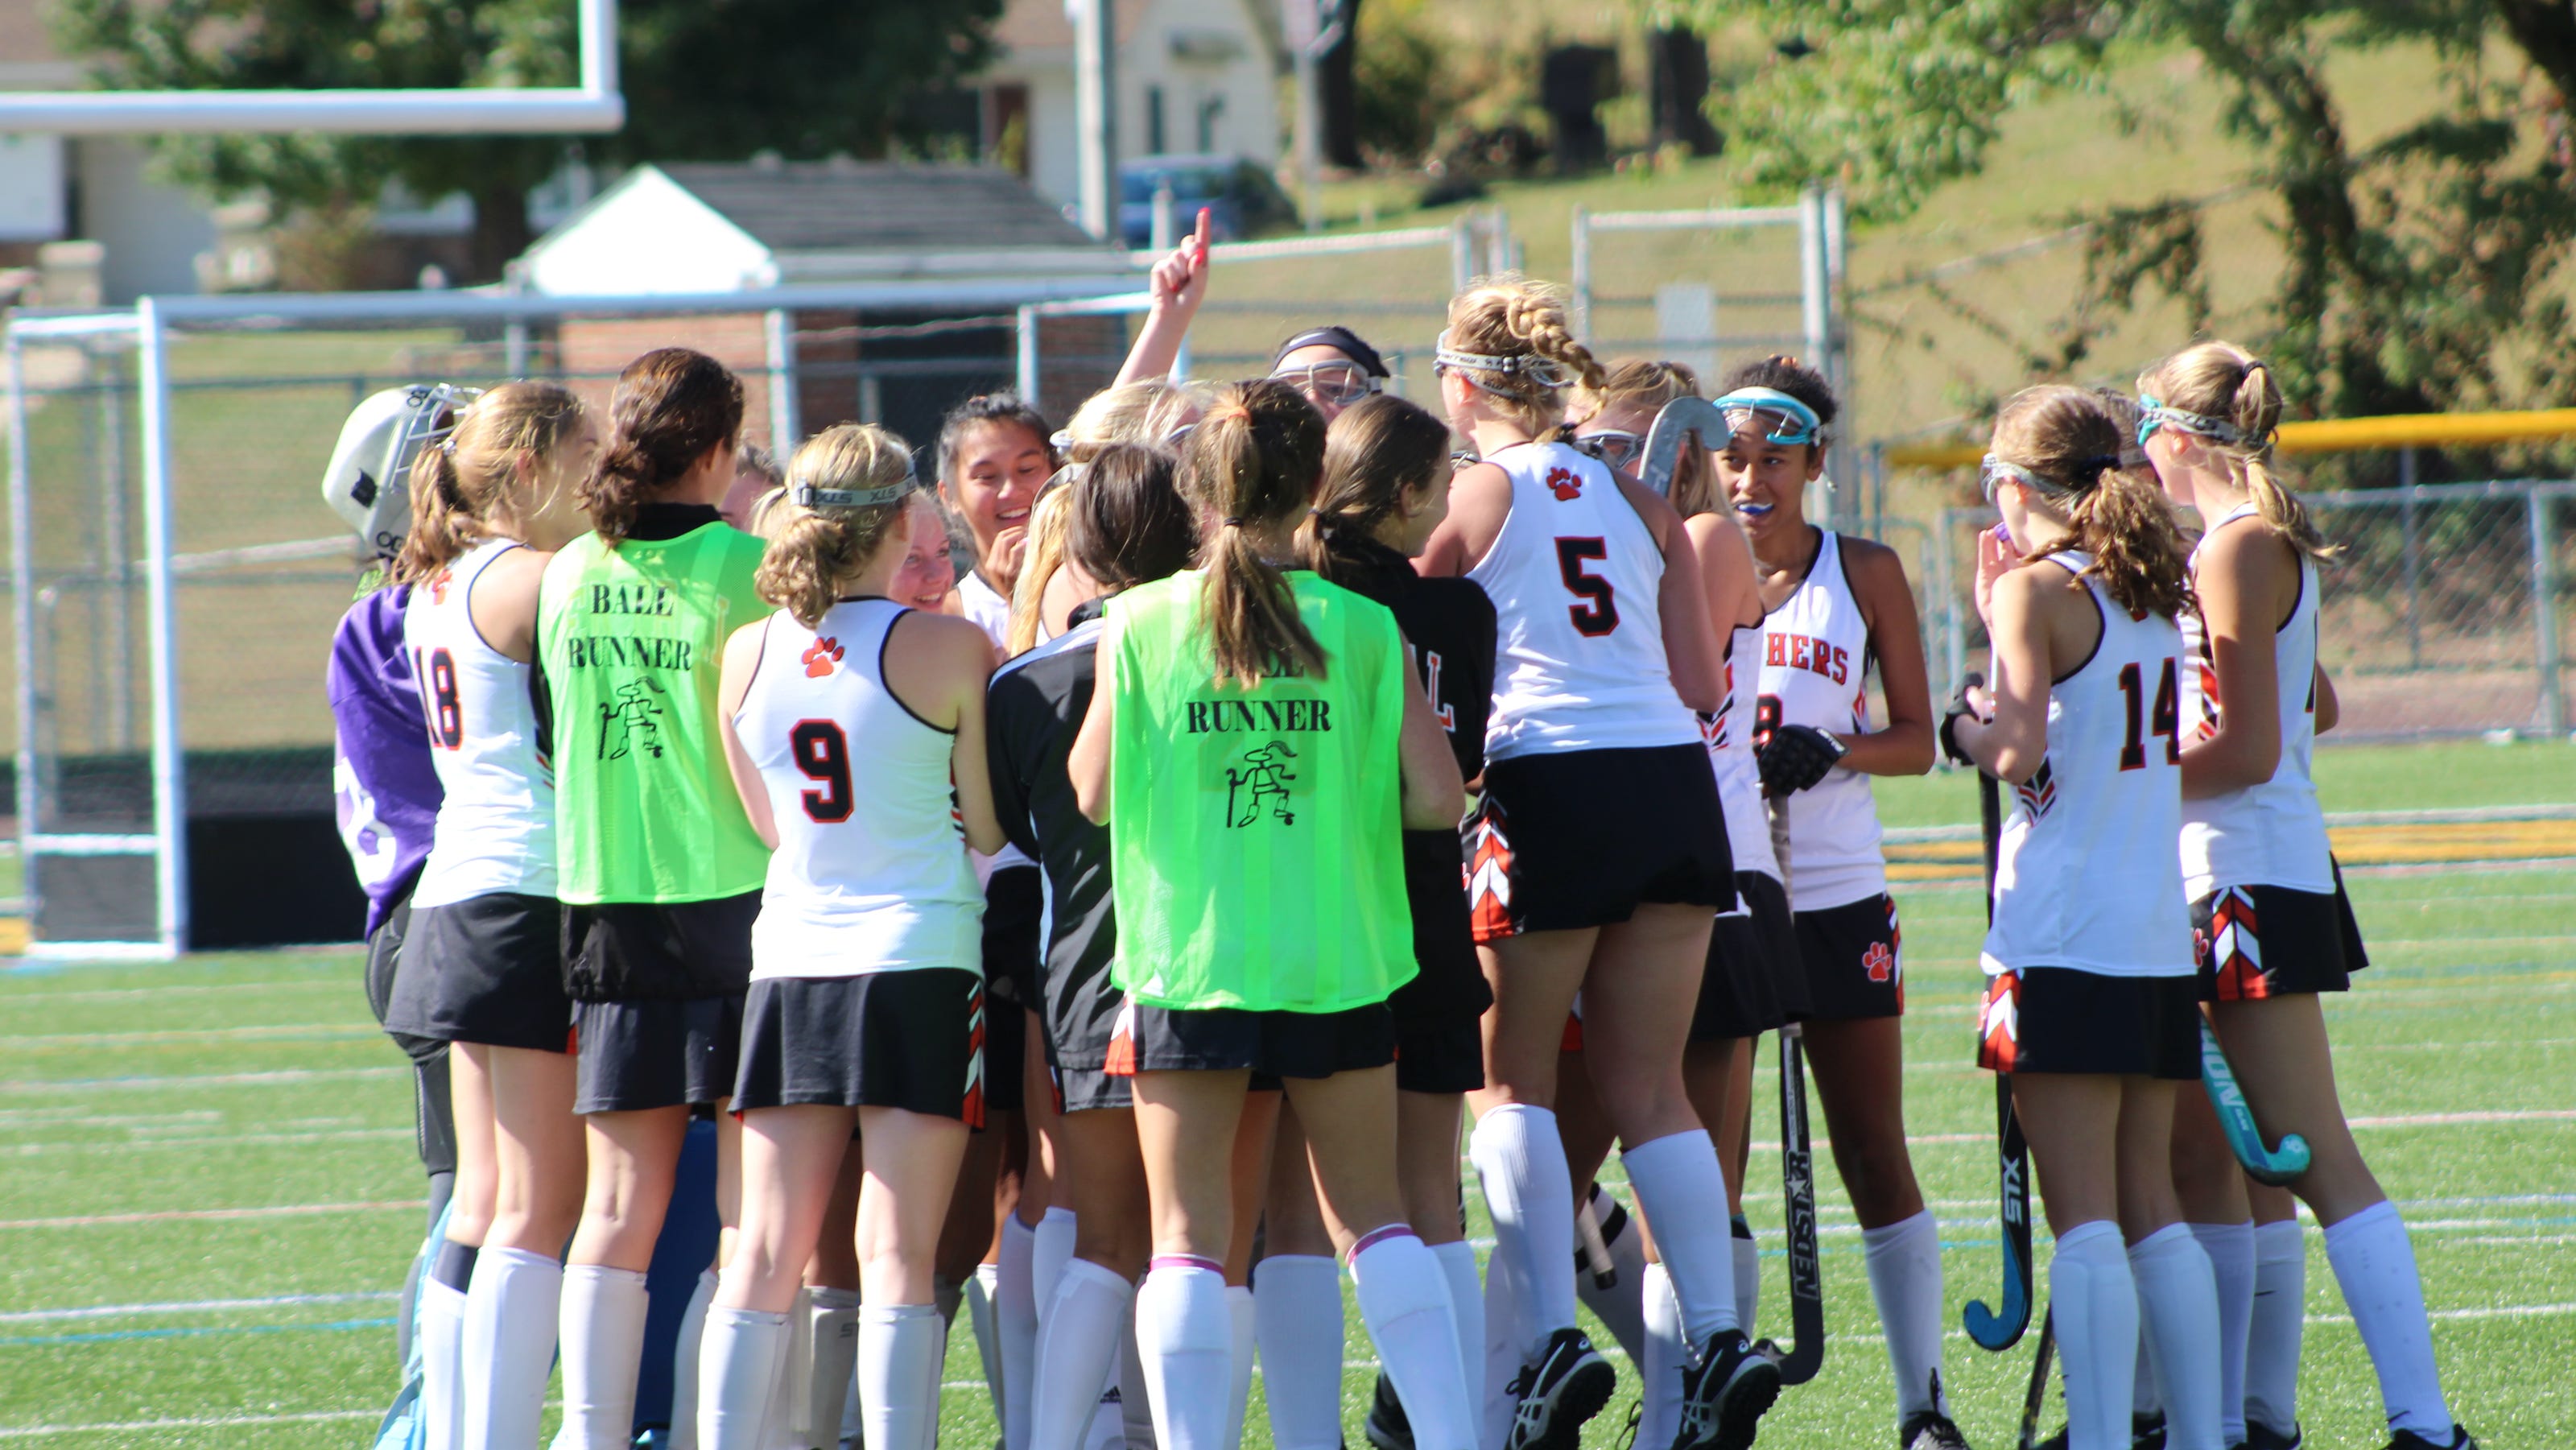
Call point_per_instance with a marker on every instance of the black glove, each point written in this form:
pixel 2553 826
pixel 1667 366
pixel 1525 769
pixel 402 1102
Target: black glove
pixel 1950 718
pixel 1796 757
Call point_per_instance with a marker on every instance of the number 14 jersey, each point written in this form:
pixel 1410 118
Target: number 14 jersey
pixel 870 873
pixel 1579 655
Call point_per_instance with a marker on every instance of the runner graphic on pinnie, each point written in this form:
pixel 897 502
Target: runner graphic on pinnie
pixel 1264 777
pixel 636 718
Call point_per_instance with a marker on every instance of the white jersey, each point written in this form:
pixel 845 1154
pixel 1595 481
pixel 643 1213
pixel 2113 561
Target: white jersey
pixel 496 825
pixel 991 611
pixel 870 874
pixel 2273 834
pixel 2083 878
pixel 1579 659
pixel 1729 736
pixel 1815 669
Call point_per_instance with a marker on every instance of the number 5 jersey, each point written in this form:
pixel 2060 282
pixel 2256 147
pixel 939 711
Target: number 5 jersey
pixel 870 873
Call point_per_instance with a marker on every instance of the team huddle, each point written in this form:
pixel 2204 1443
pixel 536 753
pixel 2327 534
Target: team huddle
pixel 1117 936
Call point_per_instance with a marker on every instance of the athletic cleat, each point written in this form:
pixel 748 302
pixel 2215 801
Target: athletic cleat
pixel 1725 1390
pixel 1930 1431
pixel 2409 1440
pixel 2146 1432
pixel 2259 1436
pixel 1568 1386
pixel 1386 1427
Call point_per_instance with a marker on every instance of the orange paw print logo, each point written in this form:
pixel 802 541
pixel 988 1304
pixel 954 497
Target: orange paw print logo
pixel 438 583
pixel 1564 483
pixel 821 656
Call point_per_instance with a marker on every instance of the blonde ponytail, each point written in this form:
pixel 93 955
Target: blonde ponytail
pixel 820 544
pixel 2065 442
pixel 468 487
pixel 2219 380
pixel 1508 334
pixel 1252 463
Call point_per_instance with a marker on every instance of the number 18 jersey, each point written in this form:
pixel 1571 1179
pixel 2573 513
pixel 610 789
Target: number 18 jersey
pixel 2083 878
pixel 1579 656
pixel 496 825
pixel 870 874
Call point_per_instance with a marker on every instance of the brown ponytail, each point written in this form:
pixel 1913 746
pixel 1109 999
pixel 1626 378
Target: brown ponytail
pixel 2065 439
pixel 467 487
pixel 1251 464
pixel 816 549
pixel 671 406
pixel 1126 523
pixel 2222 381
pixel 1522 321
pixel 1380 451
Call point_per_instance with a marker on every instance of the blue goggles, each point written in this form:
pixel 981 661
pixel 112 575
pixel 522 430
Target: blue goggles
pixel 1771 415
pixel 2154 416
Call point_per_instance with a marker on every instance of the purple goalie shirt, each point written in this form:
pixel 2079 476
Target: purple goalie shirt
pixel 385 785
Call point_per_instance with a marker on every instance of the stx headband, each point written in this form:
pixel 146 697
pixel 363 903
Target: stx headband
pixel 808 496
pixel 1775 415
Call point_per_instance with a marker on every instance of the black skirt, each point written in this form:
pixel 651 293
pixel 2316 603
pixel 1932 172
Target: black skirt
pixel 911 1039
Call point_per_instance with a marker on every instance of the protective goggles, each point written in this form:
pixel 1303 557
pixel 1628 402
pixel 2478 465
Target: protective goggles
pixel 1614 446
pixel 1771 415
pixel 2153 415
pixel 1546 372
pixel 1992 471
pixel 1337 384
pixel 807 495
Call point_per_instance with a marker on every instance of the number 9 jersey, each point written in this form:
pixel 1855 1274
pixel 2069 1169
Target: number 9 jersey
pixel 1579 663
pixel 870 873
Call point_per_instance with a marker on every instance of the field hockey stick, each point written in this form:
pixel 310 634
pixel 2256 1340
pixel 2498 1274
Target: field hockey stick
pixel 1596 1254
pixel 2275 1166
pixel 1805 1353
pixel 1680 418
pixel 1992 1329
pixel 2034 1397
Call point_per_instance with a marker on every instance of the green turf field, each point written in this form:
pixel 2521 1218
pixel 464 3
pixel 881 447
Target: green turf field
pixel 209 1192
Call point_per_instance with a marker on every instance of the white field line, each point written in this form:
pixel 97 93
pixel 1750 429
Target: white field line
pixel 194 1306
pixel 176 1215
pixel 242 1140
pixel 120 994
pixel 2499 1311
pixel 209 1422
pixel 17 1118
pixel 318 1032
pixel 174 1082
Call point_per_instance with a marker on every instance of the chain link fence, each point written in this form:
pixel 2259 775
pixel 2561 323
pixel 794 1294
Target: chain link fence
pixel 2449 610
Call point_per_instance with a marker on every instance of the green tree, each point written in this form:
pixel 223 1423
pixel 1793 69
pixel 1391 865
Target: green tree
pixel 2418 271
pixel 704 80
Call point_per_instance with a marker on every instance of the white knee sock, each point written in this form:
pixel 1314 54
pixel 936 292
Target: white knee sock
pixel 1467 1307
pixel 2374 1265
pixel 737 1376
pixel 1404 1301
pixel 1135 1395
pixel 1240 1349
pixel 1077 1353
pixel 793 1395
pixel 901 1347
pixel 2279 1321
pixel 1904 1261
pixel 1297 1318
pixel 1531 1199
pixel 1617 1307
pixel 832 1348
pixel 1048 1254
pixel 1185 1335
pixel 601 1325
pixel 685 1354
pixel 510 1315
pixel 1015 1326
pixel 1503 1336
pixel 2178 1317
pixel 2096 1304
pixel 1676 1178
pixel 442 1363
pixel 1748 1273
pixel 2230 1247
pixel 1659 1372
pixel 977 1293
